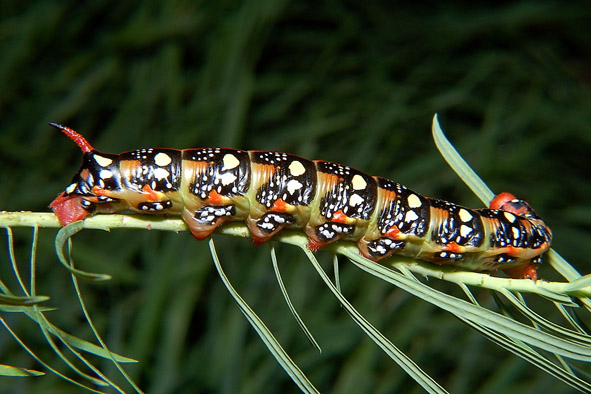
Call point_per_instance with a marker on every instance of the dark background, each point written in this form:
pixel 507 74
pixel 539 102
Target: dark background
pixel 355 82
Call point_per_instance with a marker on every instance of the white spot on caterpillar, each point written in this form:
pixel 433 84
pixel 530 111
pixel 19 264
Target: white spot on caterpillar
pixel 105 174
pixel 71 188
pixel 509 216
pixel 227 178
pixel 102 161
pixel 516 232
pixel 293 185
pixel 381 250
pixel 161 173
pixel 355 200
pixel 296 168
pixel 230 162
pixel 358 182
pixel 465 216
pixel 465 230
pixel 267 226
pixel 414 201
pixel 162 159
pixel 410 216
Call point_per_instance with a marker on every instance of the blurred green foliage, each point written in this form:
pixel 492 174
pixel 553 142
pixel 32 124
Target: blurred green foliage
pixel 355 82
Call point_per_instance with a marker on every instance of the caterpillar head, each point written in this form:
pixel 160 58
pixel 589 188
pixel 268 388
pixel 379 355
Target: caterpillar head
pixel 508 202
pixel 87 193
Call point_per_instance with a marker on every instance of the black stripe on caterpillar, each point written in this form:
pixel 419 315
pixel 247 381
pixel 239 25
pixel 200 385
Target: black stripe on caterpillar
pixel 270 191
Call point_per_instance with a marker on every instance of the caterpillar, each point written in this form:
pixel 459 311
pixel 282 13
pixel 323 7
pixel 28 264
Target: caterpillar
pixel 270 191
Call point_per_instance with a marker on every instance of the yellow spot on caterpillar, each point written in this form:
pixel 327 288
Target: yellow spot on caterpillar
pixel 509 216
pixel 102 161
pixel 465 216
pixel 414 201
pixel 162 159
pixel 358 182
pixel 296 168
pixel 230 161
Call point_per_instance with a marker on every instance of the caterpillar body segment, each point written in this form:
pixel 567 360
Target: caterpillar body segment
pixel 270 191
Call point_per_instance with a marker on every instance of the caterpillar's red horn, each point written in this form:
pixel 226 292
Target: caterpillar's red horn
pixel 77 138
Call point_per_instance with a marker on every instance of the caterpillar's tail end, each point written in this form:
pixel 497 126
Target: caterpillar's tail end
pixel 68 209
